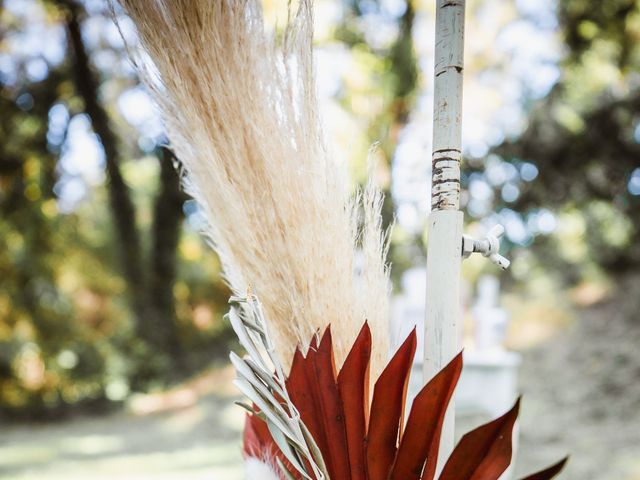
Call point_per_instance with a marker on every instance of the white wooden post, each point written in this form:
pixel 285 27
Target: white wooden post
pixel 444 253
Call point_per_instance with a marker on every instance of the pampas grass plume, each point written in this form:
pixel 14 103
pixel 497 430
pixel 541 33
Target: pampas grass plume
pixel 242 116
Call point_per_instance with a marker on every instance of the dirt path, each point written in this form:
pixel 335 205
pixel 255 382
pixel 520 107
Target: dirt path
pixel 582 394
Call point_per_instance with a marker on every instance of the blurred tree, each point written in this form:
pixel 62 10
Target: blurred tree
pixel 398 73
pixel 150 287
pixel 119 290
pixel 393 69
pixel 582 143
pixel 66 336
pixel 34 327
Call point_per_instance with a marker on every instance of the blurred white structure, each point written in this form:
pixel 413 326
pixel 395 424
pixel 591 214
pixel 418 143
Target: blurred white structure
pixel 489 381
pixel 408 313
pixel 490 377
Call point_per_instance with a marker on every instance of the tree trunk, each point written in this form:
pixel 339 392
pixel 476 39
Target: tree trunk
pixel 150 289
pixel 122 207
pixel 166 235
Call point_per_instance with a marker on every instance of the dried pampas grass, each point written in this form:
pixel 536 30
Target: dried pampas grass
pixel 242 116
pixel 255 469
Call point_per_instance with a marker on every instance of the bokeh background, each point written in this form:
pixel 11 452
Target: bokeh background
pixel 112 344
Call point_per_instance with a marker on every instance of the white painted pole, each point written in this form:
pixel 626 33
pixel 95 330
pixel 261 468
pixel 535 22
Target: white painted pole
pixel 444 251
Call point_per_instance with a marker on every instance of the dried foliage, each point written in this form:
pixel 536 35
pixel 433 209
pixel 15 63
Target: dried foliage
pixel 366 440
pixel 268 391
pixel 241 114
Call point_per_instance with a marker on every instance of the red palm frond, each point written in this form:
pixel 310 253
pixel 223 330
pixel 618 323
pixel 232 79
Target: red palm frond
pixel 484 453
pixel 258 443
pixel 387 410
pixel 421 439
pixel 550 472
pixel 353 383
pixel 316 391
pixel 358 442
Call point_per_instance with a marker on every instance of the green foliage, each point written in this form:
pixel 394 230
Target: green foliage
pixel 79 325
pixel 68 328
pixel 583 139
pixel 381 89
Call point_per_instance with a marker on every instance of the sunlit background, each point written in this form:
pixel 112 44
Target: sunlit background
pixel 112 344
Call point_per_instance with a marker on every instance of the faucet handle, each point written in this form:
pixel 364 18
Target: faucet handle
pixel 489 246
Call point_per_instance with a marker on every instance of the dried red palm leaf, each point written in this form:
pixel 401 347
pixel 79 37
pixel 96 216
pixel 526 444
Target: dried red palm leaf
pixel 421 439
pixel 258 443
pixel 367 443
pixel 331 413
pixel 550 472
pixel 387 410
pixel 484 453
pixel 353 383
